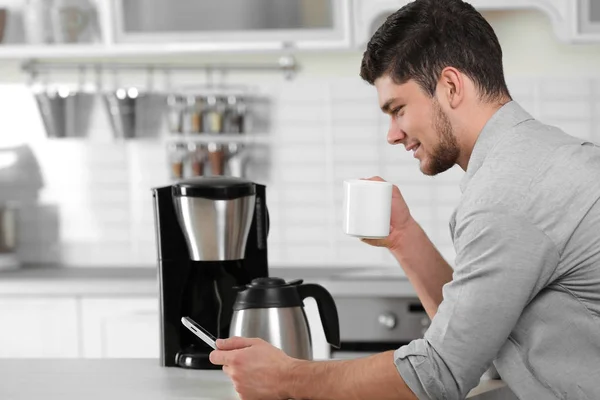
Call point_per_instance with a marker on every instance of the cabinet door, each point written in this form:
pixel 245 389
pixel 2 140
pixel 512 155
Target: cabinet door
pixel 247 24
pixel 38 327
pixel 120 328
pixel 589 17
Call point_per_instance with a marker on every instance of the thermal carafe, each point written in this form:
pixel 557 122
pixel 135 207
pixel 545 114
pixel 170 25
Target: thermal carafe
pixel 273 310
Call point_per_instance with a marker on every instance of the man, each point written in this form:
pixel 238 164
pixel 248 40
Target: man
pixel 525 290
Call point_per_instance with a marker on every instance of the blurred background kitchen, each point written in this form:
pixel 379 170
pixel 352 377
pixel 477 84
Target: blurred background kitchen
pixel 102 100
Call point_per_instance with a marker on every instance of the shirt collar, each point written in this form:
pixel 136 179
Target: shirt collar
pixel 508 116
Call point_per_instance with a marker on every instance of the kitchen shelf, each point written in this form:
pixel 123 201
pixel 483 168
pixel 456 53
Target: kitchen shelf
pixel 102 51
pixel 219 138
pixel 51 51
pixel 92 51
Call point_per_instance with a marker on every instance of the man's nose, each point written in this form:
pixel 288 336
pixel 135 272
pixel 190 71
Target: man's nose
pixel 395 134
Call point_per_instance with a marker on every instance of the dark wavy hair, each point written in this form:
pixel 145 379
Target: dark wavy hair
pixel 422 38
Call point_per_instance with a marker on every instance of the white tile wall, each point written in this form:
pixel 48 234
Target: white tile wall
pixel 95 207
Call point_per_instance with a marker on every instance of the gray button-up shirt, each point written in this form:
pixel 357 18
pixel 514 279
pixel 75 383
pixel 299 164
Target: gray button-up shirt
pixel 525 292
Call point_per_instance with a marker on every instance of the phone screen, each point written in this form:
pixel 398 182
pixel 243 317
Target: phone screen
pixel 199 331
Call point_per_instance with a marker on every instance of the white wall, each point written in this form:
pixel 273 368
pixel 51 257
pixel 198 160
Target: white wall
pixel 531 48
pixel 95 207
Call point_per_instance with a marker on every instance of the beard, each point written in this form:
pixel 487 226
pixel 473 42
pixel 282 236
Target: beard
pixel 445 154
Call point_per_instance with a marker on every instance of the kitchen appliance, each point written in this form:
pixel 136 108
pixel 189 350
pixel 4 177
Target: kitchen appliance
pixel 374 324
pixel 272 309
pixel 211 237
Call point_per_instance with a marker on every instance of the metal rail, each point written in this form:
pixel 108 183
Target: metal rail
pixel 286 64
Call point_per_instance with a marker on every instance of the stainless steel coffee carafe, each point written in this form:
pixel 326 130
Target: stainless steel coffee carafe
pixel 273 310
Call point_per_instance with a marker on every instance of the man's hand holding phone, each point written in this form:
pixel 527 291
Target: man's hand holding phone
pixel 199 331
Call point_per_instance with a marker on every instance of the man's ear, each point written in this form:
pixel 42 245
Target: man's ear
pixel 451 86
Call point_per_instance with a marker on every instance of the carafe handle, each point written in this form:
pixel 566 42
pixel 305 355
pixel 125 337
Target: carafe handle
pixel 327 310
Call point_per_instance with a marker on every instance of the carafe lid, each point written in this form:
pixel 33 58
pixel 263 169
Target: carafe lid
pixel 268 293
pixel 214 187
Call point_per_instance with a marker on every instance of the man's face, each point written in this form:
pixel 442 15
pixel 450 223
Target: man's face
pixel 418 122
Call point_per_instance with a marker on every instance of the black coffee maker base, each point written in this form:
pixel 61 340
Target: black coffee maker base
pixel 195 361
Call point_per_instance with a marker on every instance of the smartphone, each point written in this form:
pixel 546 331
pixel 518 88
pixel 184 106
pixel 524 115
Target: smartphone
pixel 199 331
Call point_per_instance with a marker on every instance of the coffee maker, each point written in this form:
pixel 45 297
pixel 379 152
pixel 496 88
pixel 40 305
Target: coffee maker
pixel 211 235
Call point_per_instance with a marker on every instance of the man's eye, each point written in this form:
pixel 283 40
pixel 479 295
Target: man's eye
pixel 397 110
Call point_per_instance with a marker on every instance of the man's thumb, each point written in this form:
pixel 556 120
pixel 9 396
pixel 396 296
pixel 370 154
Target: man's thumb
pixel 234 343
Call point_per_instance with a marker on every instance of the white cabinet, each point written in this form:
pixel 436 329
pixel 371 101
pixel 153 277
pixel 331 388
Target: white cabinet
pixel 119 28
pixel 166 28
pixel 589 19
pixel 38 327
pixel 120 327
pixel 92 327
pixel 250 24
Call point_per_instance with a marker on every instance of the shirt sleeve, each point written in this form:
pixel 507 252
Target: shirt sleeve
pixel 502 262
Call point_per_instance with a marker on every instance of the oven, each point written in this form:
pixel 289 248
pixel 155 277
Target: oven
pixel 370 325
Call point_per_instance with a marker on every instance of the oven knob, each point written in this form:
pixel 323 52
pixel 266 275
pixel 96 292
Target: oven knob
pixel 388 320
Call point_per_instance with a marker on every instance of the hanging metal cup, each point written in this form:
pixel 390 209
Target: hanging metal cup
pixel 121 106
pixel 53 109
pixel 8 228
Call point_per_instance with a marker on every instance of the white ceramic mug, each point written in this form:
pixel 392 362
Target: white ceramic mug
pixel 367 208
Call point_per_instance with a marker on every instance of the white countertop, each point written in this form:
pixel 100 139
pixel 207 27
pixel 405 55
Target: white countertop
pixel 54 280
pixel 115 379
